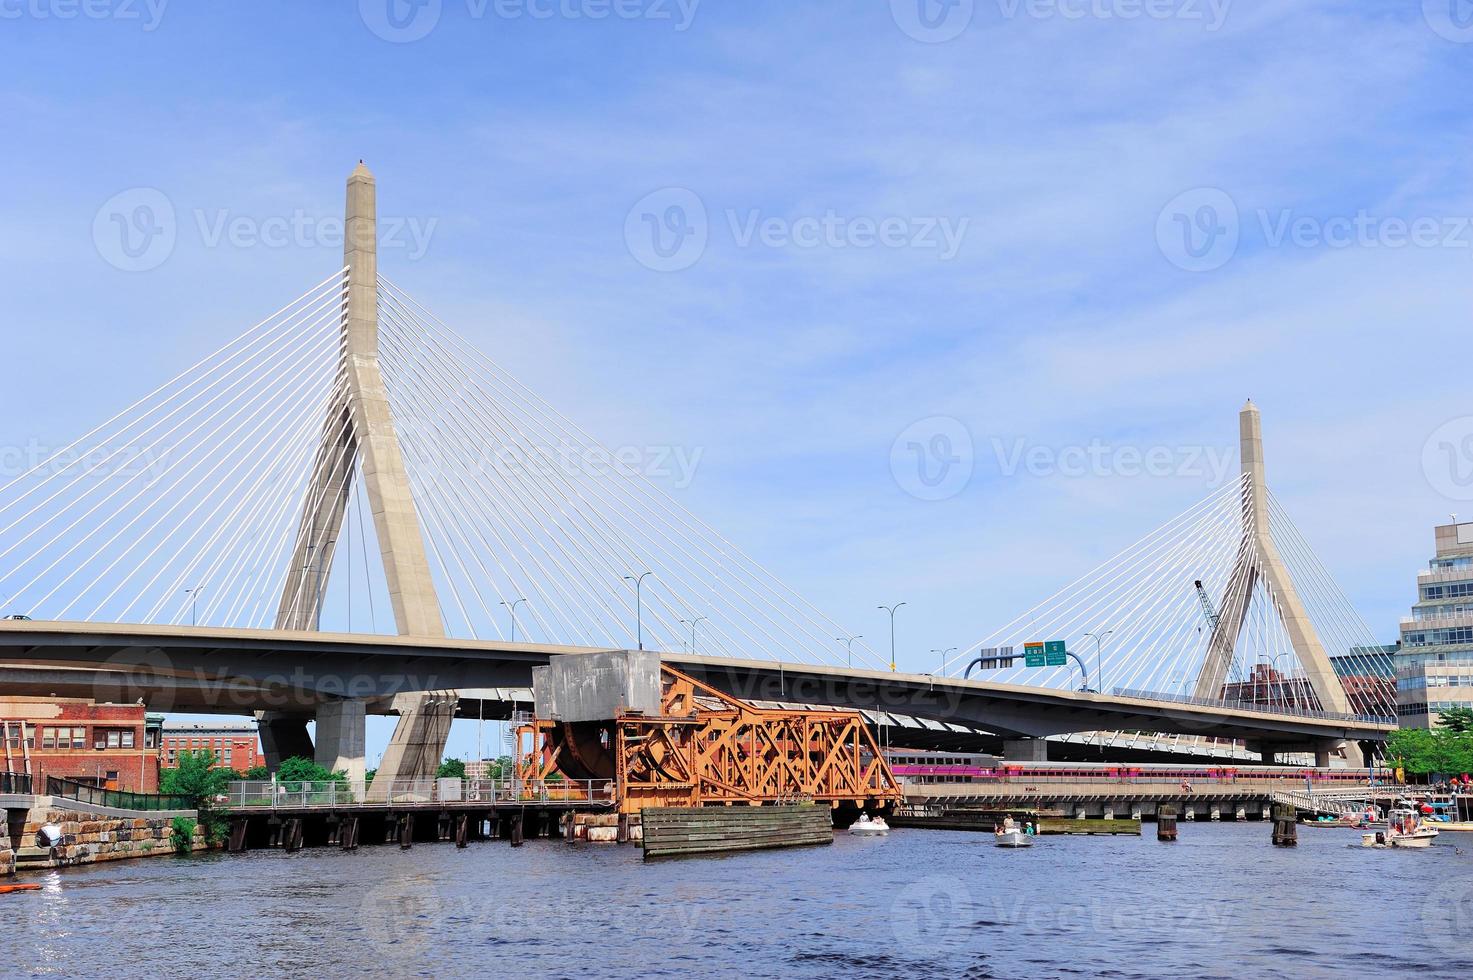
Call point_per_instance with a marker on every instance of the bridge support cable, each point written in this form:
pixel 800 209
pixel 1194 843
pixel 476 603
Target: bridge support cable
pixel 539 500
pixel 1144 594
pixel 119 523
pixel 536 501
pixel 519 472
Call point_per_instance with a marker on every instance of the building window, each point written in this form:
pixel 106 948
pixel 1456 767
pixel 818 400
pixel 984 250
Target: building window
pixel 128 738
pixel 79 738
pixel 48 738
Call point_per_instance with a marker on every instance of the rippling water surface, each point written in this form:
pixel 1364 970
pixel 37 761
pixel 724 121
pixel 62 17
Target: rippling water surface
pixel 1221 902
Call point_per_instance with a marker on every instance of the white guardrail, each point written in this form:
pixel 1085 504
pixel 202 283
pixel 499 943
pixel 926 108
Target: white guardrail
pixel 286 794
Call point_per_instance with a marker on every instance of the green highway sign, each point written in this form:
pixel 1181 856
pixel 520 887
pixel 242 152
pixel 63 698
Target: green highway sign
pixel 1055 654
pixel 1033 655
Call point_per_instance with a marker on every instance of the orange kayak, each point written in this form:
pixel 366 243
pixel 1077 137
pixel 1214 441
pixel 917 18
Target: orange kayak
pixel 4 889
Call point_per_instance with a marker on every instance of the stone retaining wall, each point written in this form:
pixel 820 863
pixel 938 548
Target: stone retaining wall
pixel 87 838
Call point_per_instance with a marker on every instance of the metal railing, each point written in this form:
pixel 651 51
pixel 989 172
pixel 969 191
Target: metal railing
pixel 294 795
pixel 117 799
pixel 15 782
pixel 1267 709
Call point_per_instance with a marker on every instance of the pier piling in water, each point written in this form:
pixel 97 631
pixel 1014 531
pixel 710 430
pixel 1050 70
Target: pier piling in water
pixel 1166 823
pixel 1286 826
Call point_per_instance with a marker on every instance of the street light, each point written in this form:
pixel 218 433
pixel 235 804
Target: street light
pixel 511 608
pixel 848 642
pixel 692 624
pixel 193 601
pixel 1099 662
pixel 943 656
pixel 638 605
pixel 891 611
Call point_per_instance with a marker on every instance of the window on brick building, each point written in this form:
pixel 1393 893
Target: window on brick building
pixel 48 738
pixel 79 738
pixel 128 736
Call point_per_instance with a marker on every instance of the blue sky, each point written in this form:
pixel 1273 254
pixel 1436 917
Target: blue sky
pixel 1068 148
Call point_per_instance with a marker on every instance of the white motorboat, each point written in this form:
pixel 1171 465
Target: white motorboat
pixel 1010 834
pixel 867 826
pixel 1404 828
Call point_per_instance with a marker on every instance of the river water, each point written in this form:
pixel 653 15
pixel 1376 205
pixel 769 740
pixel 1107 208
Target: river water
pixel 1221 902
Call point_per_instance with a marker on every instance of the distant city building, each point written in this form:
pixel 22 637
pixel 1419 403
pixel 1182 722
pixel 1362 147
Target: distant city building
pixel 237 745
pixel 1434 667
pixel 115 746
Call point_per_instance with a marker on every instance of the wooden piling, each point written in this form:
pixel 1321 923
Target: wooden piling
pixel 1286 825
pixel 516 828
pixel 348 834
pixel 406 831
pixel 238 828
pixel 705 830
pixel 462 829
pixel 1166 823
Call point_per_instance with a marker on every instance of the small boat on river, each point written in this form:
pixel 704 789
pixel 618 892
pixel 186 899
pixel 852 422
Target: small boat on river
pixel 867 826
pixel 1404 828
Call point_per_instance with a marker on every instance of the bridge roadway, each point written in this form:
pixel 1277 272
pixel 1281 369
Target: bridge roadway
pixel 237 671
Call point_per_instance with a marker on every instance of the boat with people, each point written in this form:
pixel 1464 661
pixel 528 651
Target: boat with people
pixel 1404 828
pixel 867 826
pixel 1010 833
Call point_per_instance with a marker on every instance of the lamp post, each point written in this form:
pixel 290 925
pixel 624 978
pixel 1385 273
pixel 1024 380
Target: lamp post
pixel 943 656
pixel 692 624
pixel 511 608
pixel 848 642
pixel 891 610
pixel 638 605
pixel 193 602
pixel 1099 660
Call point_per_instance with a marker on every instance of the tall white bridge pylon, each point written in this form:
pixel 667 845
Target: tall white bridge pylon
pixel 1224 603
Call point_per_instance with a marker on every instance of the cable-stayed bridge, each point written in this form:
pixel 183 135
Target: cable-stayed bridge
pixel 189 549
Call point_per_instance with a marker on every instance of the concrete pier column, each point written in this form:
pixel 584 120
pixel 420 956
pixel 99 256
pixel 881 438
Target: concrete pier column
pixel 1215 814
pixel 340 738
pixel 1109 811
pixel 283 737
pixel 1241 814
pixel 1025 750
pixel 1322 758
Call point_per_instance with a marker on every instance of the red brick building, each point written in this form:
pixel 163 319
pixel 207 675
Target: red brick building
pixel 110 745
pixel 237 745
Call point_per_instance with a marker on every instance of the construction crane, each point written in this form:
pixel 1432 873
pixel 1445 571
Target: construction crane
pixel 1208 609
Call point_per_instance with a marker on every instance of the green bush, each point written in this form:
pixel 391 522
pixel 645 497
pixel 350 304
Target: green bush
pixel 181 835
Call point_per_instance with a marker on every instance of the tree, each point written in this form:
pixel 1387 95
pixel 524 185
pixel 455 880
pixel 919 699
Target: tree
pixel 300 769
pixel 451 769
pixel 258 774
pixel 197 778
pixel 1457 720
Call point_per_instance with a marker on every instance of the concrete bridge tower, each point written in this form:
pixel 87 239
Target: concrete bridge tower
pixel 359 434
